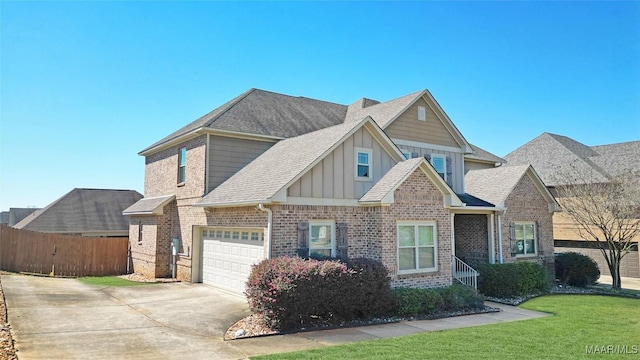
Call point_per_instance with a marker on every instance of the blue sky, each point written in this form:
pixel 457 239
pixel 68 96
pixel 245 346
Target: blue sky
pixel 86 85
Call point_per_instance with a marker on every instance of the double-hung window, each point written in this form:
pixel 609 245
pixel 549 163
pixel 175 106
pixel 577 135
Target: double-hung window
pixel 182 165
pixel 439 163
pixel 525 239
pixel 417 246
pixel 322 239
pixel 363 160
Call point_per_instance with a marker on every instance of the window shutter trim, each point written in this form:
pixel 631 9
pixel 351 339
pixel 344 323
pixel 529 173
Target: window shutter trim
pixel 303 239
pixel 342 243
pixel 512 237
pixel 449 170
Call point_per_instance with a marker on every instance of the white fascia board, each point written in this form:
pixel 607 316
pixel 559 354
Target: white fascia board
pixel 241 135
pixel 232 204
pixel 293 200
pixel 427 146
pixel 180 139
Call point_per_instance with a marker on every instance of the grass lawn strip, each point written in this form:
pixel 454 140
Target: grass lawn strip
pixel 110 281
pixel 580 321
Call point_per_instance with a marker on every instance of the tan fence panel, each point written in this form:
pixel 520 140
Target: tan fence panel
pixel 61 255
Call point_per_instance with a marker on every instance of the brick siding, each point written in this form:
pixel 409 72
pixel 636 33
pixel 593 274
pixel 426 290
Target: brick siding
pixel 525 203
pixel 471 233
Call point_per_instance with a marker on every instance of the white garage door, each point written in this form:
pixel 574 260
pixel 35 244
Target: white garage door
pixel 227 256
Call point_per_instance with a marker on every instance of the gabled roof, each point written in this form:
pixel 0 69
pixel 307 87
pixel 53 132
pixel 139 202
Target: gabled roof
pixel 149 206
pixel 264 113
pixel 496 184
pixel 387 112
pixel 82 211
pixel 482 155
pixel 556 156
pixel 383 113
pixel 382 191
pixel 266 178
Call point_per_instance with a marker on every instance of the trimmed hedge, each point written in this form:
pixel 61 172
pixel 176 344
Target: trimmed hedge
pixel 576 269
pixel 295 293
pixel 512 279
pixel 415 302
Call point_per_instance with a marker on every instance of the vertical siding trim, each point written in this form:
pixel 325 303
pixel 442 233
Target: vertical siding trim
pixel 338 172
pixel 206 165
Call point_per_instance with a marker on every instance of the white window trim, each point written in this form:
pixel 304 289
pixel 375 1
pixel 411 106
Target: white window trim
pixel 180 166
pixel 330 223
pixel 535 237
pixel 422 113
pixel 444 162
pixel 406 153
pixel 415 224
pixel 211 233
pixel 369 152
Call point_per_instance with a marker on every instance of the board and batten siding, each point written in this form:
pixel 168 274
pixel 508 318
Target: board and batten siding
pixel 334 176
pixel 432 131
pixel 457 164
pixel 228 155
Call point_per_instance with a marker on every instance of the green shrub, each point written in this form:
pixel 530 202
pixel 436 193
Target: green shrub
pixel 458 296
pixel 293 292
pixel 512 279
pixel 412 301
pixel 576 269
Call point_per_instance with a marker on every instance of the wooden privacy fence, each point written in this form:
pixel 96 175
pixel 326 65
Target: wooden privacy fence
pixel 61 255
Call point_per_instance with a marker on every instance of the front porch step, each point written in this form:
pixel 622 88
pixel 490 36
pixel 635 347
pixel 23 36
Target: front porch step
pixel 464 273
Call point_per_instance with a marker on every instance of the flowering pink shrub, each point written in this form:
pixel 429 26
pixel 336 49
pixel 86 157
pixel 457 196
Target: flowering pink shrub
pixel 294 293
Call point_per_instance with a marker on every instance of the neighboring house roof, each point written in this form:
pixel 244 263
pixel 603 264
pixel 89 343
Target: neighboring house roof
pixel 555 157
pixel 482 155
pixel 266 179
pixel 496 184
pixel 382 191
pixel 149 206
pixel 265 113
pixel 4 217
pixel 83 211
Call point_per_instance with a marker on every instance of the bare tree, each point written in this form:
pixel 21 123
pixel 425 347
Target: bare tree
pixel 607 212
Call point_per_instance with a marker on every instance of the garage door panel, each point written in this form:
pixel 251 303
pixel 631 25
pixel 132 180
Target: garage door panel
pixel 227 265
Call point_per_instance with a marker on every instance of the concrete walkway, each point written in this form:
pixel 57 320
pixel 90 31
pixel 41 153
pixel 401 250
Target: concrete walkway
pixel 627 282
pixel 299 341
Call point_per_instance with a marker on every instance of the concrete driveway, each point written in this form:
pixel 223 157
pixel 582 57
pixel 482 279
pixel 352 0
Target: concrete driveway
pixel 66 319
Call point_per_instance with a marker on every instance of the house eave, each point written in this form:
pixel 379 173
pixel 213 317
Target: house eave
pixel 233 204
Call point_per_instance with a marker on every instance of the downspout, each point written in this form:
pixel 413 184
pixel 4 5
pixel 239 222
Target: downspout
pixel 269 226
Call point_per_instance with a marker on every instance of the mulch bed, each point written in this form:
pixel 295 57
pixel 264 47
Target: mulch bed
pixel 254 326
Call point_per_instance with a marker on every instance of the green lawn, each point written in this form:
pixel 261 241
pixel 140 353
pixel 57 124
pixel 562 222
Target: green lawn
pixel 579 321
pixel 110 281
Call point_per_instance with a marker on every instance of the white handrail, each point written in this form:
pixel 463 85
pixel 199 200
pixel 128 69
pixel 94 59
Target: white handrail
pixel 464 273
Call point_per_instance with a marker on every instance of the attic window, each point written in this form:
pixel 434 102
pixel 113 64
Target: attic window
pixel 422 113
pixel 363 164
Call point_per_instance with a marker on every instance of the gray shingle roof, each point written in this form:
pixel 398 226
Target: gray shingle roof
pixel 556 156
pixel 152 205
pixel 483 155
pixel 471 200
pixel 261 179
pixel 495 184
pixel 83 210
pixel 267 113
pixel 391 180
pixel 382 113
